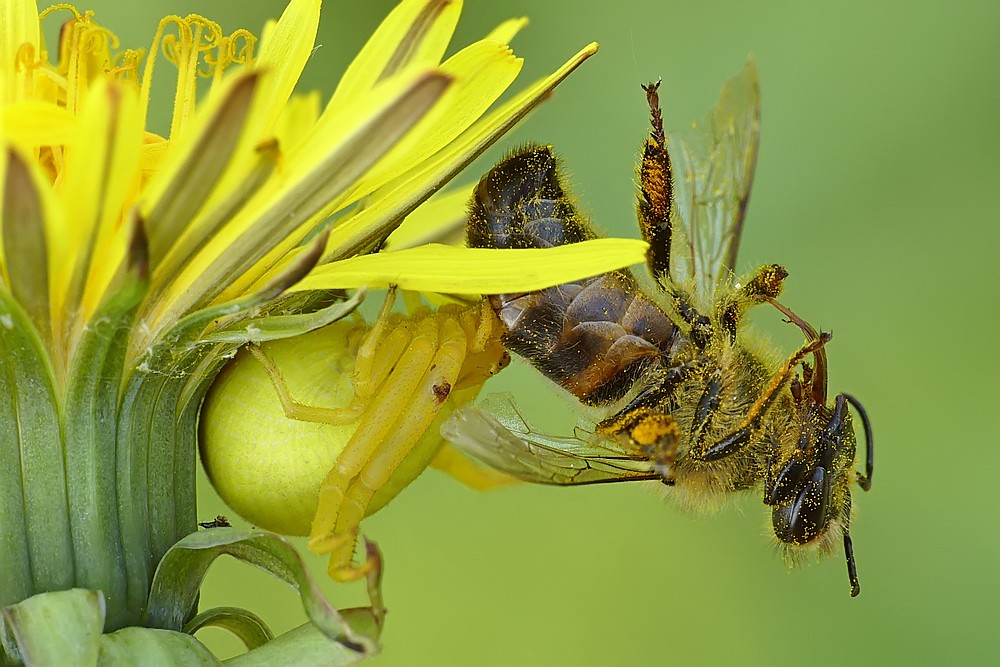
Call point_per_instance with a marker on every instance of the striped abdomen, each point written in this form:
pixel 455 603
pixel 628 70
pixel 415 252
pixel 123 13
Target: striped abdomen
pixel 593 336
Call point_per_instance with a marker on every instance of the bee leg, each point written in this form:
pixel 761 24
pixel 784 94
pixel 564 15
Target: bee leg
pixel 654 433
pixel 741 435
pixel 656 191
pixel 764 286
pixel 701 326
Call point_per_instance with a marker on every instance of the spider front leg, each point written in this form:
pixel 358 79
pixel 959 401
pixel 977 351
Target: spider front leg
pixel 405 370
pixel 404 409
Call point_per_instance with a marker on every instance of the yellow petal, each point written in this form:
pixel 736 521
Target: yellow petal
pixel 285 48
pixel 450 269
pixel 482 72
pixel 194 163
pixel 31 124
pixel 505 32
pixel 440 219
pixel 279 216
pixel 100 177
pixel 18 26
pixel 363 231
pixel 297 119
pixel 416 33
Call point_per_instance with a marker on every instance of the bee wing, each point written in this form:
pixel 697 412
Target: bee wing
pixel 714 164
pixel 505 441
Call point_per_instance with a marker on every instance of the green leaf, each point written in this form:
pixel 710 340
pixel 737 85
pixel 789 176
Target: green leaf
pixel 174 591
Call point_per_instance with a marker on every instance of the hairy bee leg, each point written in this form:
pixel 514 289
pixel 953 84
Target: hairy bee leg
pixel 655 435
pixel 654 211
pixel 656 191
pixel 764 286
pixel 741 435
pixel 701 326
pixel 458 466
pixel 375 425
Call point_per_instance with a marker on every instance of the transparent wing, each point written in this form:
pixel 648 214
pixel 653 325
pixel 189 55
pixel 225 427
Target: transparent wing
pixel 498 436
pixel 714 164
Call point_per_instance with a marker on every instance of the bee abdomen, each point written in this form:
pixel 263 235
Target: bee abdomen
pixel 594 336
pixel 521 204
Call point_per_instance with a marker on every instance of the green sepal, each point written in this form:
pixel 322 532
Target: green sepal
pixel 152 648
pixel 36 553
pixel 178 578
pixel 247 626
pixel 60 628
pixel 91 443
pixel 277 326
pixel 299 647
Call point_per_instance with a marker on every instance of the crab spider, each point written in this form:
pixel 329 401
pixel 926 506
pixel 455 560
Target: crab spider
pixel 407 368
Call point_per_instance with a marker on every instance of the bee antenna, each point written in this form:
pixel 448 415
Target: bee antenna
pixel 865 481
pixel 852 567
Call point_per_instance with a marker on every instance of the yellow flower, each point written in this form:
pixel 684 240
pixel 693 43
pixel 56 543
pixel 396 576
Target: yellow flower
pixel 133 265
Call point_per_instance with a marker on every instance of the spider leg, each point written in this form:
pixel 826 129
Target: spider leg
pixel 300 411
pixel 391 405
pixel 417 412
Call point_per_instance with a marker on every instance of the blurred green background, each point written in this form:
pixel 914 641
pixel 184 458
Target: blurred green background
pixel 878 189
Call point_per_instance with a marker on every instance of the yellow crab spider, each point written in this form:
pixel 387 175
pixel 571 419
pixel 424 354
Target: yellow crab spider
pixel 285 439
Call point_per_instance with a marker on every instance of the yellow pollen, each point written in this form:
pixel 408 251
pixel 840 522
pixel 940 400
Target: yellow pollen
pixel 653 428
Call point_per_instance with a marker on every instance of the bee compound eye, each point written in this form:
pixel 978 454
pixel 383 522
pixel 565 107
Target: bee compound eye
pixel 805 515
pixel 786 483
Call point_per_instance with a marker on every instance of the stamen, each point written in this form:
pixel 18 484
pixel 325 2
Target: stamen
pixel 195 36
pixel 237 48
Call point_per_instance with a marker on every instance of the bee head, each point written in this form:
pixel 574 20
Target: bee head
pixel 809 488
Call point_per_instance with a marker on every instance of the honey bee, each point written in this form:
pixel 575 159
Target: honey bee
pixel 682 392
